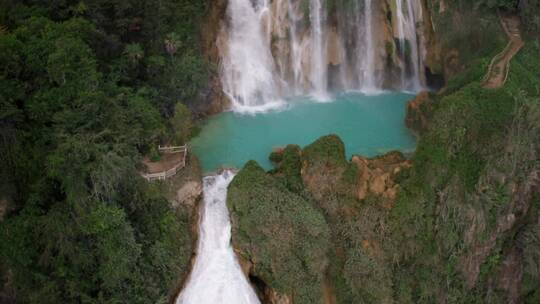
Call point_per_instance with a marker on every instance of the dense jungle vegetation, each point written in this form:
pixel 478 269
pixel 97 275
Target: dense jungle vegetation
pixel 87 88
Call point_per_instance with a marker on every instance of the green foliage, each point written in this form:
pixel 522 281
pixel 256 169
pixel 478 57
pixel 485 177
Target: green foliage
pixel 479 144
pixel 280 230
pixel 182 124
pixel 530 15
pixel 79 106
pixel 289 167
pixel 328 150
pixel 470 27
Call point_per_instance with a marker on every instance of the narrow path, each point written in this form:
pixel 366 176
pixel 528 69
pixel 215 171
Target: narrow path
pixel 500 65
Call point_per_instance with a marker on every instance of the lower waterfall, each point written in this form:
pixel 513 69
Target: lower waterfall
pixel 216 277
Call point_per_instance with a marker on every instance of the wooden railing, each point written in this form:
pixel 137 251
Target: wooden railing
pixel 172 149
pixel 171 172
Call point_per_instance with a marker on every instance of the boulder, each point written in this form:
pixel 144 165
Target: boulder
pixel 188 194
pixel 377 176
pixel 274 297
pixel 419 112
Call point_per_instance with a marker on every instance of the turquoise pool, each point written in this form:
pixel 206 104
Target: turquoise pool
pixel 368 125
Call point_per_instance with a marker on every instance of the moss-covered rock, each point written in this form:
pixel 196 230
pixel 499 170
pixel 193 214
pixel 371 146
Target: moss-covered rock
pixel 288 167
pixel 281 233
pixel 323 164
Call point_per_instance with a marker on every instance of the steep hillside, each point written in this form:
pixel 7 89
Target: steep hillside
pixel 457 223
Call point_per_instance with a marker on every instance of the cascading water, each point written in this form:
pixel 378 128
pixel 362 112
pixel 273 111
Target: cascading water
pixel 216 276
pixel 408 40
pixel 248 74
pixel 318 70
pixel 280 48
pixel 369 84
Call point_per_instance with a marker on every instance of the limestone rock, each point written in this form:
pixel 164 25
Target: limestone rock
pixel 418 112
pixel 188 194
pixel 184 190
pixel 377 176
pixel 273 297
pixel 334 47
pixel 213 100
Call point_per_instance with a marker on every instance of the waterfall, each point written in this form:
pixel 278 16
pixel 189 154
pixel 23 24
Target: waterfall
pixel 276 49
pixel 216 276
pixel 295 49
pixel 369 84
pixel 408 40
pixel 318 71
pixel 247 70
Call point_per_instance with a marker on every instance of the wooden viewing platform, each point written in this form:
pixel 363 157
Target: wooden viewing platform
pixel 172 161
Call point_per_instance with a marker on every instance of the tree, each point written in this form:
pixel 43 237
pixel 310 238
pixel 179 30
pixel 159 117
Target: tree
pixel 182 124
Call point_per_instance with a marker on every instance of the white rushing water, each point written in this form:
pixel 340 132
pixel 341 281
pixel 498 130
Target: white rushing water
pixel 216 277
pixel 295 50
pixel 248 73
pixel 406 21
pixel 369 84
pixel 279 48
pixel 318 69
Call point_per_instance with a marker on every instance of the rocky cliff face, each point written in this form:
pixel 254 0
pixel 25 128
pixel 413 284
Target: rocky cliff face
pixel 419 112
pixel 212 38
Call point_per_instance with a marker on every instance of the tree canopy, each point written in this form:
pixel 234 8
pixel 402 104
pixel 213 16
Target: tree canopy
pixel 86 89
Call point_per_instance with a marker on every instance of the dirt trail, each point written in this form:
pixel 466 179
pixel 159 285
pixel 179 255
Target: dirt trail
pixel 500 65
pixel 167 162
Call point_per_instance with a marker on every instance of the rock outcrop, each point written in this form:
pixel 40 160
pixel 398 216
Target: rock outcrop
pixel 189 194
pixel 185 188
pixel 326 171
pixel 419 111
pixel 212 40
pixel 513 218
pixel 354 197
pixel 377 176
